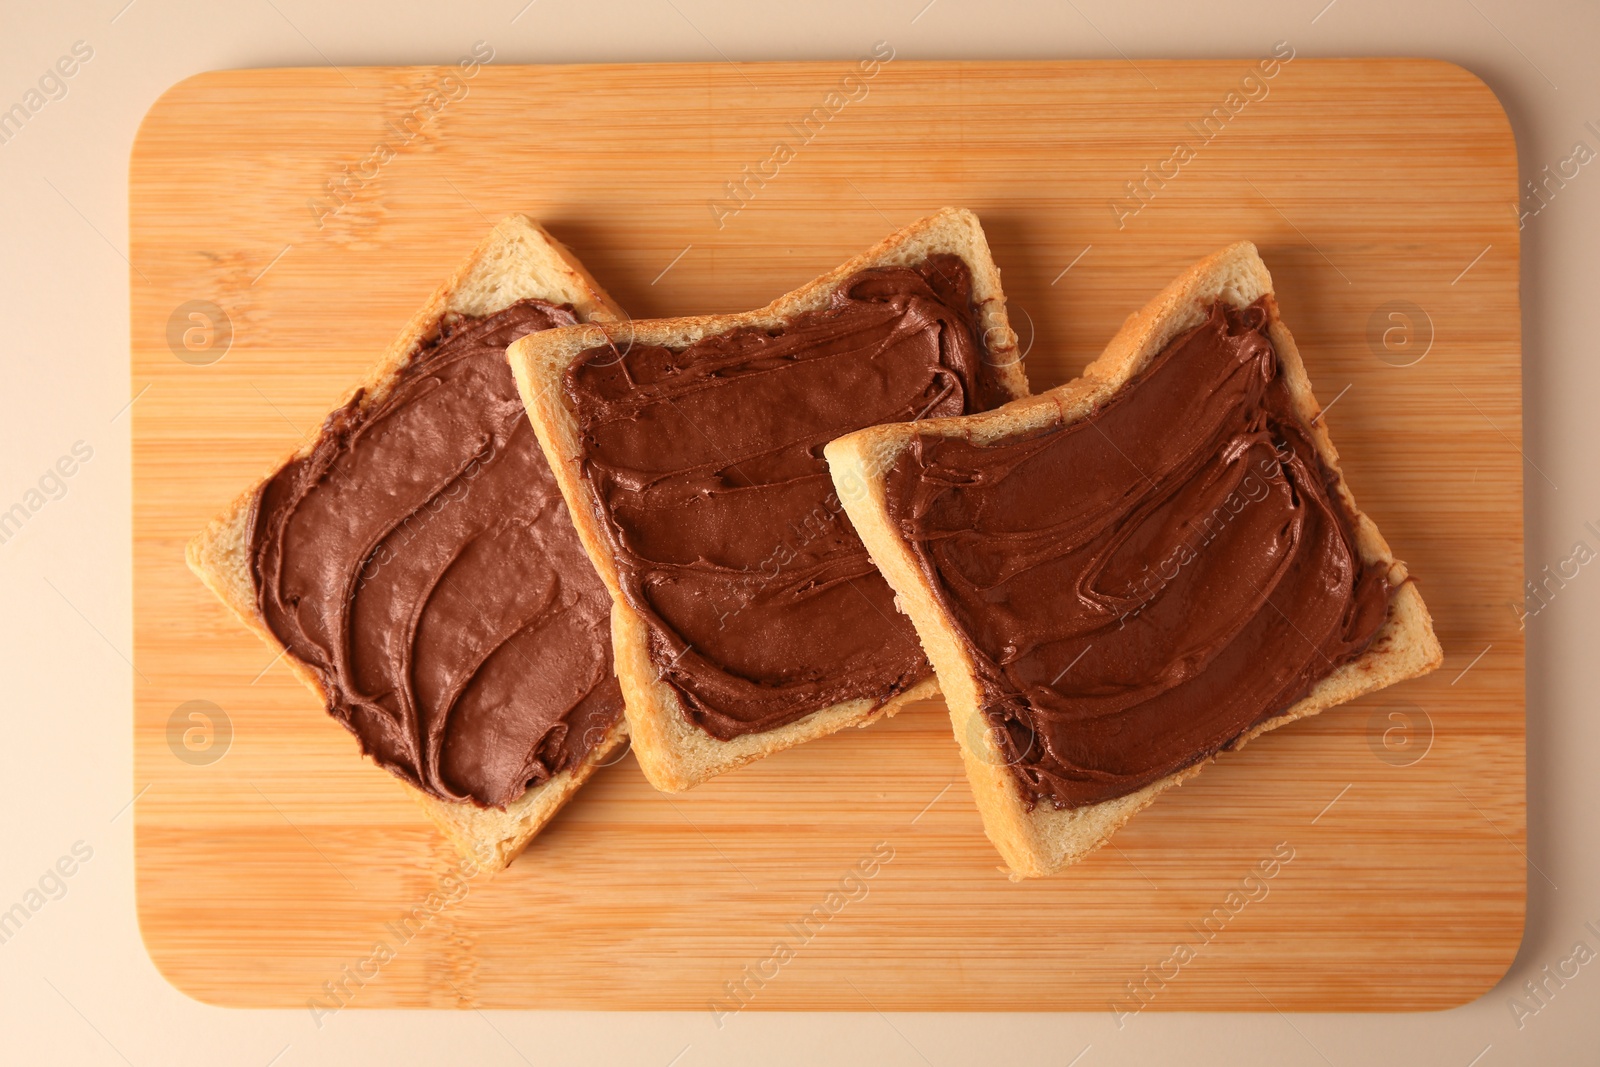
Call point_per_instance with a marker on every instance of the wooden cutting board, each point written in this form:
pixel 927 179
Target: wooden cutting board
pixel 272 860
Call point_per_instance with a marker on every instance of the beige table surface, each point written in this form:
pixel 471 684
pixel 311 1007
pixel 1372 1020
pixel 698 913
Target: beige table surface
pixel 75 983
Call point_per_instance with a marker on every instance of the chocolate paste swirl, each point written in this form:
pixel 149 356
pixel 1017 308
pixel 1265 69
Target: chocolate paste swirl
pixel 420 560
pixel 706 461
pixel 1141 587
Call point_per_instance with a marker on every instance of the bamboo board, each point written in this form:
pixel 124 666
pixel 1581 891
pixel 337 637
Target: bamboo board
pixel 1375 188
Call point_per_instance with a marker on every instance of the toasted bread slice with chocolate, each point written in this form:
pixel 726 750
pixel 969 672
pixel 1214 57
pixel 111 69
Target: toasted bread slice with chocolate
pixel 1037 838
pixel 517 261
pixel 675 751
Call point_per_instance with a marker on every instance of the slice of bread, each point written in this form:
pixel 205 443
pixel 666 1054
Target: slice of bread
pixel 1043 840
pixel 674 752
pixel 517 261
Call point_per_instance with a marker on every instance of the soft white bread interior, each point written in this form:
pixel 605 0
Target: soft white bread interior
pixel 517 261
pixel 675 753
pixel 1043 840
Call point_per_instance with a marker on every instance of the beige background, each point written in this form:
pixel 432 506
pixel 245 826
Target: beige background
pixel 75 983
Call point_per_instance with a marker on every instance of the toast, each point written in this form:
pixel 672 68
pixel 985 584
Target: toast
pixel 675 751
pixel 1039 839
pixel 517 261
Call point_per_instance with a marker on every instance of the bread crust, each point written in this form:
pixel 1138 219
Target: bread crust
pixel 674 753
pixel 1042 841
pixel 516 261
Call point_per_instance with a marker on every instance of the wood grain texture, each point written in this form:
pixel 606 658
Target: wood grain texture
pixel 283 865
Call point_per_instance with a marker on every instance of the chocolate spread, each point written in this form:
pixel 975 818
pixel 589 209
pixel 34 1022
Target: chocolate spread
pixel 706 465
pixel 420 560
pixel 1139 588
